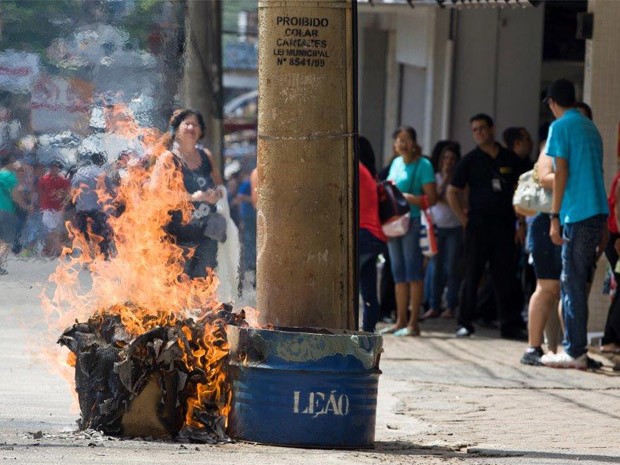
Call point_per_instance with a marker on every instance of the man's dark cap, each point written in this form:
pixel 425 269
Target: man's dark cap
pixel 562 91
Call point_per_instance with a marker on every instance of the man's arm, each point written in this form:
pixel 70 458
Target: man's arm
pixel 254 186
pixel 454 196
pixel 559 186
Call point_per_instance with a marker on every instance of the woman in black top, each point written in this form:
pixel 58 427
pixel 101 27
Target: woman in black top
pixel 200 180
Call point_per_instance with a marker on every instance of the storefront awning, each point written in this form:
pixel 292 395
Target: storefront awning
pixel 455 3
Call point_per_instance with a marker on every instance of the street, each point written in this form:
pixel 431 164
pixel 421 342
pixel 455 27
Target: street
pixel 441 401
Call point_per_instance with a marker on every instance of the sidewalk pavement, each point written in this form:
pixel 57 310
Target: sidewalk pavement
pixel 441 401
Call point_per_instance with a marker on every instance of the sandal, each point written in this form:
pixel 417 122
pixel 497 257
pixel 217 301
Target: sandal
pixel 601 350
pixel 389 330
pixel 407 331
pixel 430 313
pixel 447 314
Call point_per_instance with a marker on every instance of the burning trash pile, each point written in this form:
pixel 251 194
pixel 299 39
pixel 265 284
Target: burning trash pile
pixel 147 344
pixel 172 368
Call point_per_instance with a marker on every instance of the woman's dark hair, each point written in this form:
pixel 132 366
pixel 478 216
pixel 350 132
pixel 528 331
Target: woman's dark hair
pixel 366 155
pixel 407 129
pixel 585 107
pixel 175 121
pixel 179 115
pixel 438 150
pixel 511 135
pixel 450 147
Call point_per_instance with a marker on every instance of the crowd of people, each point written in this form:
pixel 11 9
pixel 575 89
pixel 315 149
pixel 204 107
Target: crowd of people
pixel 491 259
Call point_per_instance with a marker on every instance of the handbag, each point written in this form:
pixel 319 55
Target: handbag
pixel 397 226
pixel 530 197
pixel 392 202
pixel 215 227
pixel 394 210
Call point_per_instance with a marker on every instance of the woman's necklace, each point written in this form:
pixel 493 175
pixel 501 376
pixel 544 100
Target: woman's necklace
pixel 188 157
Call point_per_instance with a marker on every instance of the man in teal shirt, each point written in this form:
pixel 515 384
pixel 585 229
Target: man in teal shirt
pixel 578 216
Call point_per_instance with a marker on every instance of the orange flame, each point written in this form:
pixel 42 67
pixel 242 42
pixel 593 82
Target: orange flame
pixel 143 282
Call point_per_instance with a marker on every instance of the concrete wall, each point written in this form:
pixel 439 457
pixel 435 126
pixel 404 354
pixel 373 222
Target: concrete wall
pixel 436 84
pixel 373 86
pixel 602 77
pixel 602 92
pixel 497 69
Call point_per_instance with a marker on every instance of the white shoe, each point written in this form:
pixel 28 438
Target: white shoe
pixel 463 332
pixel 563 360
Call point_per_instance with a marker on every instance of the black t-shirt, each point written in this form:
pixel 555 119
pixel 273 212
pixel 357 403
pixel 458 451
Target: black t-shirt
pixel 491 181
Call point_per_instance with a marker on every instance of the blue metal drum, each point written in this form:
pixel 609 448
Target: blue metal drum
pixel 304 386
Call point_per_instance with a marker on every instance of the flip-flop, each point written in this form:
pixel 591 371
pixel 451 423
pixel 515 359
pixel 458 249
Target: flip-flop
pixel 407 331
pixel 610 352
pixel 599 350
pixel 389 330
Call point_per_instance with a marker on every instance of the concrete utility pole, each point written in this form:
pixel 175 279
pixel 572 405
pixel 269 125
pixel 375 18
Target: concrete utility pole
pixel 306 171
pixel 202 80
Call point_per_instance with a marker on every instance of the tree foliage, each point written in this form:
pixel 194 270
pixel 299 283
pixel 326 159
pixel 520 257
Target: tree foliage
pixel 31 25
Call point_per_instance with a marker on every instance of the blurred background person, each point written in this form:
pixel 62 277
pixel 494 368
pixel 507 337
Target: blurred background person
pixel 10 199
pixel 91 217
pixel 26 213
pixel 446 264
pixel 387 295
pixel 489 175
pixel 372 241
pixel 610 342
pixel 414 176
pixel 53 189
pixel 247 218
pixel 547 261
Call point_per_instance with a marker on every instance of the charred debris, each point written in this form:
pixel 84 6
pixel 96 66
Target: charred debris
pixel 168 382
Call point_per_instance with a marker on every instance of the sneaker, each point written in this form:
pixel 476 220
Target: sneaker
pixel 531 356
pixel 463 332
pixel 563 360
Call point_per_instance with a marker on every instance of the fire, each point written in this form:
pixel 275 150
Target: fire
pixel 142 283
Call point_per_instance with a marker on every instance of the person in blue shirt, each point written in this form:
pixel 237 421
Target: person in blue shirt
pixel 578 215
pixel 247 215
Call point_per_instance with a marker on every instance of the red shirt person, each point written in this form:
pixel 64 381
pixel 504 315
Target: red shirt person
pixel 53 189
pixel 371 239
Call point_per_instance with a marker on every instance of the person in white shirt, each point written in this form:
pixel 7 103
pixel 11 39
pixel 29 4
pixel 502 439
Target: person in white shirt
pixel 446 269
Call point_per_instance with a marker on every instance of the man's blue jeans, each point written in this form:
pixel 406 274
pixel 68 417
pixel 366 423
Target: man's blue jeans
pixel 447 267
pixel 578 254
